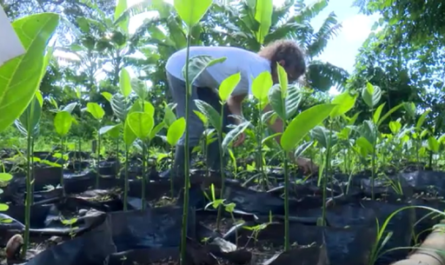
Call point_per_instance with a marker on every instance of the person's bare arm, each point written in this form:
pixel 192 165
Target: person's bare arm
pixel 235 105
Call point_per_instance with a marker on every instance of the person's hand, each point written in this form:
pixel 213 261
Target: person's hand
pixel 239 140
pixel 306 165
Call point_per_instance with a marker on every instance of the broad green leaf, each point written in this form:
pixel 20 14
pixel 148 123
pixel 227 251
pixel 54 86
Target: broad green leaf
pixel 345 102
pixel 95 110
pixel 79 93
pixel 142 106
pixel 261 86
pixel 365 146
pixel 46 59
pixel 20 77
pixel 228 85
pixel 369 131
pixel 321 134
pixel 31 117
pixel 378 112
pixel 198 64
pixel 129 136
pixel 70 107
pixel 62 122
pixel 388 114
pixel 191 11
pixel 292 101
pixel 120 8
pixel 301 125
pixel 39 97
pixel 108 96
pixel 233 134
pixel 282 78
pixel 169 115
pixel 3 207
pixel 302 148
pixel 276 102
pixel 211 114
pixel 421 120
pixel 112 130
pixel 4 177
pixel 395 126
pixel 371 95
pixel 263 15
pixel 410 108
pixel 175 131
pixel 119 106
pixel 202 117
pixel 433 144
pixel 156 130
pixel 140 88
pixel 125 81
pixel 141 123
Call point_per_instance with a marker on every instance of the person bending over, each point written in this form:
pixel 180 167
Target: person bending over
pixel 249 65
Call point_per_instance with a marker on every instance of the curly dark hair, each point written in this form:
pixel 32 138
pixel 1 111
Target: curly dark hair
pixel 289 52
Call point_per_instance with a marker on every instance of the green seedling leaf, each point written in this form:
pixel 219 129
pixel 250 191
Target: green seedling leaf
pixel 421 120
pixel 156 130
pixel 276 102
pixel 169 115
pixel 433 144
pixel 293 100
pixel 388 114
pixel 365 146
pixel 95 110
pixel 125 82
pixel 233 134
pixel 261 86
pixel 78 93
pixel 300 126
pixel 62 122
pixel 108 96
pixel 321 134
pixel 191 11
pixel 211 114
pixel 263 15
pixel 112 130
pixel 282 78
pixel 20 77
pixel 120 8
pixel 140 88
pixel 70 107
pixel 3 207
pixel 369 131
pixel 395 126
pixel 410 109
pixel 31 117
pixel 198 64
pixel 141 123
pixel 129 136
pixel 46 59
pixel 142 106
pixel 228 85
pixel 175 131
pixel 202 117
pixel 345 102
pixel 377 113
pixel 371 95
pixel 39 97
pixel 5 177
pixel 302 148
pixel 119 107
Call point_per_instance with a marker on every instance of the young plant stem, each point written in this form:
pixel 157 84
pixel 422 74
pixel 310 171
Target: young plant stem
pixel 186 158
pixel 28 194
pixel 326 175
pixel 172 194
pixel 32 170
pixel 286 202
pixel 144 174
pixel 260 147
pixel 221 166
pixel 286 184
pixel 98 160
pixel 61 178
pixel 126 178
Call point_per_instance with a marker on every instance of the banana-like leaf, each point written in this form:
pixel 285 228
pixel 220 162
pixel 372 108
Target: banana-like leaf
pixel 119 107
pixel 212 115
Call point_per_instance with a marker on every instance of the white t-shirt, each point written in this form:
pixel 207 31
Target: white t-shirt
pixel 247 63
